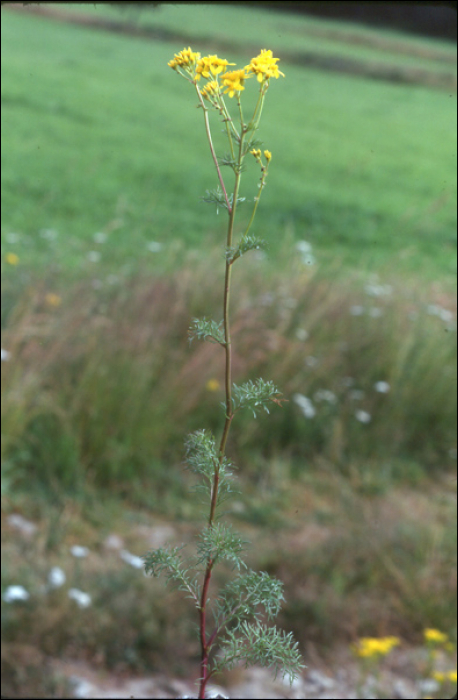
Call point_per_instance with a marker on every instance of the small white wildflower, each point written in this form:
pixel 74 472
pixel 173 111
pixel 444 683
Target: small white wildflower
pixel 49 234
pixel 100 237
pixel 25 527
pixel 429 685
pixel 113 542
pixel 309 259
pixel 325 395
pixel 12 237
pixel 357 310
pixel 363 416
pixel 82 599
pixel 305 405
pixel 302 334
pixel 13 593
pixel 382 387
pixel 93 256
pixel 445 315
pixel 78 551
pixel 303 247
pixel 305 250
pixel 5 355
pixel 311 361
pixel 136 562
pixel 154 246
pixel 433 309
pixel 56 577
pixel 378 290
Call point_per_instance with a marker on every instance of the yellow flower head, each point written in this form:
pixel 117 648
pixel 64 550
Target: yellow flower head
pixel 369 647
pixel 264 66
pixel 233 81
pixel 267 155
pixel 12 258
pixel 53 299
pixel 209 66
pixel 212 385
pixel 439 676
pixel 186 59
pixel 211 89
pixel 256 153
pixel 434 636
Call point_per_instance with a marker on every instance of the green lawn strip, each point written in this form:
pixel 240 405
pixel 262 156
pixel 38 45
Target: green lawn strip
pixel 225 25
pixel 370 185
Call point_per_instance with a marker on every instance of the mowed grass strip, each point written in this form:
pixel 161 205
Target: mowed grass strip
pixel 94 140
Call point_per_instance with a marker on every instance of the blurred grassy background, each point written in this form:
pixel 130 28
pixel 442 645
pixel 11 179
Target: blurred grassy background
pixel 108 252
pixel 110 150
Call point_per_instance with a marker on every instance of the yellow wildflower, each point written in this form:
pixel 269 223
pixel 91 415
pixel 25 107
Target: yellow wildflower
pixel 233 81
pixel 434 636
pixel 210 90
pixel 212 385
pixel 53 299
pixel 12 258
pixel 267 155
pixel 209 66
pixel 264 66
pixel 439 676
pixel 186 59
pixel 452 676
pixel 368 647
pixel 256 153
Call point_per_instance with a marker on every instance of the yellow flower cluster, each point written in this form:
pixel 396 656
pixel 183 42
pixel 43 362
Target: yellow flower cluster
pixel 186 59
pixel 264 66
pixel 435 637
pixel 257 154
pixel 211 89
pixel 233 81
pixel 444 677
pixel 211 65
pixel 368 647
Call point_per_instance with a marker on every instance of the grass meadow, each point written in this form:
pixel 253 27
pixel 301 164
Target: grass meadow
pixel 349 490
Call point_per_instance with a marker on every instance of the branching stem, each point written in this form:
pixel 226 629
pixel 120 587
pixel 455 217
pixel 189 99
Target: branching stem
pixel 206 644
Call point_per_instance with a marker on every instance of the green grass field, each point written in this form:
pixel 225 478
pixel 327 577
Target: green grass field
pixel 108 252
pixel 99 136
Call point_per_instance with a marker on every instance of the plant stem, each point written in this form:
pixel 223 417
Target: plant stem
pixel 210 141
pixel 207 644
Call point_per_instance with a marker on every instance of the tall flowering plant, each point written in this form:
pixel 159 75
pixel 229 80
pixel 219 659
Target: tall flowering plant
pixel 238 632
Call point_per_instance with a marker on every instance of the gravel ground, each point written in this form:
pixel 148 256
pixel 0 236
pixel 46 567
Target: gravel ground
pixel 395 681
